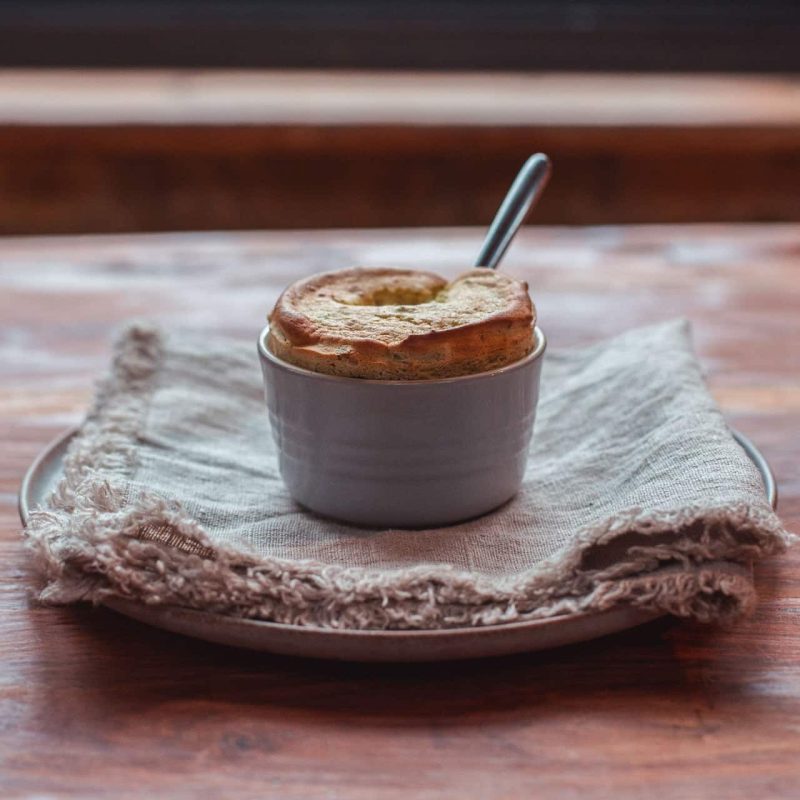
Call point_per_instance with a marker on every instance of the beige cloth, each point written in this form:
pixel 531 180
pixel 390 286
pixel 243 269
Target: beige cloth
pixel 635 493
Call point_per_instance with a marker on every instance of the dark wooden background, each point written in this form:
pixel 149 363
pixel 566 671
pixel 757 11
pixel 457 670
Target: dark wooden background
pixel 656 35
pixel 104 152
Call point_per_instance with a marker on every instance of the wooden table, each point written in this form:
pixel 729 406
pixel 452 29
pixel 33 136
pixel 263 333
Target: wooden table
pixel 95 705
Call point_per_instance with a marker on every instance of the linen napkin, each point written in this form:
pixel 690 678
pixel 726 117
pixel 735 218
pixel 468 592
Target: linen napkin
pixel 635 493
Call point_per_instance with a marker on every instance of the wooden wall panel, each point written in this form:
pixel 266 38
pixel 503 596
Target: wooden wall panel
pixel 108 152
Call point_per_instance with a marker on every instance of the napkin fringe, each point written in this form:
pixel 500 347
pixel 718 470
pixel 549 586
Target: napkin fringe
pixel 94 564
pixel 91 557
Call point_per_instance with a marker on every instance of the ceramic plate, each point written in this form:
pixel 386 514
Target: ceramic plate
pixel 435 645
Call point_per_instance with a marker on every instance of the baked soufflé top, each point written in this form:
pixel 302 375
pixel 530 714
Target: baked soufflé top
pixel 400 324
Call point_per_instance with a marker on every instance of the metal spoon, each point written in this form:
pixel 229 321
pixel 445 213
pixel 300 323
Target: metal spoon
pixel 524 192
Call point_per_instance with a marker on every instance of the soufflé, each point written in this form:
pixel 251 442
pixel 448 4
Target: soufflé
pixel 400 324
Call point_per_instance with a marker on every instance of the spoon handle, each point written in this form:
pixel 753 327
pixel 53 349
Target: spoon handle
pixel 524 192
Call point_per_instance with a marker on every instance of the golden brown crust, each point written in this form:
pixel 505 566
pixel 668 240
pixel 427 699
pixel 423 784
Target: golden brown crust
pixel 394 324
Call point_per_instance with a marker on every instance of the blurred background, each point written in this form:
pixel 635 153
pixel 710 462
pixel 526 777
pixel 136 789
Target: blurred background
pixel 191 114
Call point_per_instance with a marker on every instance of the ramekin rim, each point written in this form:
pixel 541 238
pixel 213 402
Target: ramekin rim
pixel 534 355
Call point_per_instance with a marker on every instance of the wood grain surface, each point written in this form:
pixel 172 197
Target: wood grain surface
pixel 94 705
pixel 110 151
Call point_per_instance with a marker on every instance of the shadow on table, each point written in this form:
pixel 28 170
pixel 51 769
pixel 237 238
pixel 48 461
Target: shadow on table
pixel 117 668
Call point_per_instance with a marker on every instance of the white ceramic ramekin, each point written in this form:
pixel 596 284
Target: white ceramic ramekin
pixel 402 454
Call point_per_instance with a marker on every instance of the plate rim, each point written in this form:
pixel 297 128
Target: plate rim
pixel 309 631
